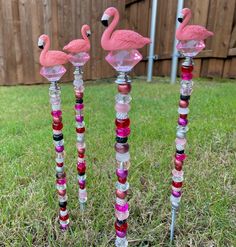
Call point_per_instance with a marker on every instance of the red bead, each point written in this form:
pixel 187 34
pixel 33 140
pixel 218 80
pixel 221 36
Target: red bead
pixel 183 103
pixel 81 169
pixel 121 228
pixel 186 69
pixel 124 88
pixel 80 130
pixel 60 164
pixel 79 95
pixel 122 180
pixel 80 155
pixel 121 194
pixel 82 186
pixel 57 120
pixel 122 123
pixel 183 116
pixel 64 218
pixel 177 184
pixel 58 126
pixel 81 151
pixel 178 167
pixel 61 192
pixel 63 209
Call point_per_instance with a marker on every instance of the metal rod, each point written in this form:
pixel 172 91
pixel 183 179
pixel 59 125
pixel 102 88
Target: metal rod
pixel 152 37
pixel 174 64
pixel 172 226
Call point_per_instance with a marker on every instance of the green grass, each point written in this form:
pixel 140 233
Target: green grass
pixel 28 208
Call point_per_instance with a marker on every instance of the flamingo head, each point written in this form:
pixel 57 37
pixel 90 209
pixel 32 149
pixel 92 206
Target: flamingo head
pixel 109 12
pixel 42 41
pixel 184 13
pixel 86 29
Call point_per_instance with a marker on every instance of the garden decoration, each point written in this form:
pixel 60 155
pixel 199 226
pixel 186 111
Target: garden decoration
pixel 191 42
pixel 78 56
pixel 123 56
pixel 53 70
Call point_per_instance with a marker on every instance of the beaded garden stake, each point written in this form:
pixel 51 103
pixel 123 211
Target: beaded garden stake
pixel 53 70
pixel 191 42
pixel 78 56
pixel 122 56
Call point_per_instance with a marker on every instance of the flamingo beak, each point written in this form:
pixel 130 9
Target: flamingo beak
pixel 88 33
pixel 181 18
pixel 40 43
pixel 105 19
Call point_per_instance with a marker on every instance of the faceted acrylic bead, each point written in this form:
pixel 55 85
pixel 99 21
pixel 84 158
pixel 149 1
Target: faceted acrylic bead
pixel 124 88
pixel 82 195
pixel 190 48
pixel 122 187
pixel 123 60
pixel 79 59
pixel 122 157
pixel 53 73
pixel 121 242
pixel 123 98
pixel 122 123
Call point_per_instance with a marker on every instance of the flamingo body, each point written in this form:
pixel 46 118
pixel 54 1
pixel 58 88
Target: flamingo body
pixel 79 45
pixel 191 32
pixel 50 58
pixel 120 39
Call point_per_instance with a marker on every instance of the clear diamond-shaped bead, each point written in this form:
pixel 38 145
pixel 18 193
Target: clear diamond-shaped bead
pixel 190 48
pixel 123 60
pixel 79 59
pixel 53 73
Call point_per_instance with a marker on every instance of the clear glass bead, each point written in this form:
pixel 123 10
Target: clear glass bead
pixel 61 186
pixel 121 242
pixel 122 157
pixel 175 200
pixel 122 187
pixel 81 178
pixel 62 198
pixel 183 111
pixel 186 87
pixel 59 143
pixel 120 201
pixel 122 115
pixel 123 98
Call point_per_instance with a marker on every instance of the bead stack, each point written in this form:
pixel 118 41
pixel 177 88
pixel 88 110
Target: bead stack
pixel 80 130
pixel 180 141
pixel 55 100
pixel 122 123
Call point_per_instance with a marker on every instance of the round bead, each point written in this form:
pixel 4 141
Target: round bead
pixel 176 193
pixel 79 107
pixel 57 120
pixel 122 123
pixel 81 168
pixel 59 149
pixel 122 180
pixel 62 205
pixel 58 126
pixel 64 218
pixel 187 69
pixel 79 95
pixel 122 147
pixel 121 194
pixel 122 173
pixel 79 118
pixel 120 234
pixel 184 97
pixel 183 103
pixel 80 155
pixel 61 192
pixel 184 116
pixel 124 88
pixel 121 227
pixel 177 184
pixel 122 107
pixel 79 101
pixel 57 113
pixel 182 121
pixel 123 132
pixel 58 137
pixel 80 130
pixel 121 139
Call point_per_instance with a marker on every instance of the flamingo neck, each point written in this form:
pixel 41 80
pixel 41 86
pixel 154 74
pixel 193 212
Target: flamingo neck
pixel 186 20
pixel 107 33
pixel 84 34
pixel 45 49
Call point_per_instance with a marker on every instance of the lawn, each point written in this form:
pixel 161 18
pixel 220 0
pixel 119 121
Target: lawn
pixel 29 208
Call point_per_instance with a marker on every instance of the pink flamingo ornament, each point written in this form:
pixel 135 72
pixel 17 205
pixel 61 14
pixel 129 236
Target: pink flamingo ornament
pixel 119 39
pixel 53 70
pixel 50 58
pixel 191 42
pixel 78 57
pixel 190 32
pixel 123 56
pixel 80 45
pixel 191 37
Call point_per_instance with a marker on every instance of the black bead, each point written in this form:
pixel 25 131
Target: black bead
pixel 121 140
pixel 79 101
pixel 63 204
pixel 120 222
pixel 179 151
pixel 58 137
pixel 60 175
pixel 81 174
pixel 184 97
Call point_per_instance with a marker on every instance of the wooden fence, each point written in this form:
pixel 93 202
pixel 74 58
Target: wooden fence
pixel 22 22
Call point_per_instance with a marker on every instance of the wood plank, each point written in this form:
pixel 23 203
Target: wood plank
pixel 232 70
pixel 232 52
pixel 130 2
pixel 2 50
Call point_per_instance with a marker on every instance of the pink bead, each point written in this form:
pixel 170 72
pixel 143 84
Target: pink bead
pixel 82 194
pixel 82 182
pixel 176 173
pixel 122 107
pixel 176 193
pixel 180 157
pixel 79 119
pixel 59 149
pixel 56 113
pixel 121 173
pixel 180 141
pixel 123 132
pixel 121 234
pixel 182 121
pixel 187 76
pixel 123 208
pixel 79 107
pixel 61 181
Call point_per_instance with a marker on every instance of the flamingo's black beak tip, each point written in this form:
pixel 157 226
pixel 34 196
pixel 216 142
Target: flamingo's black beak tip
pixel 40 46
pixel 180 19
pixel 104 23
